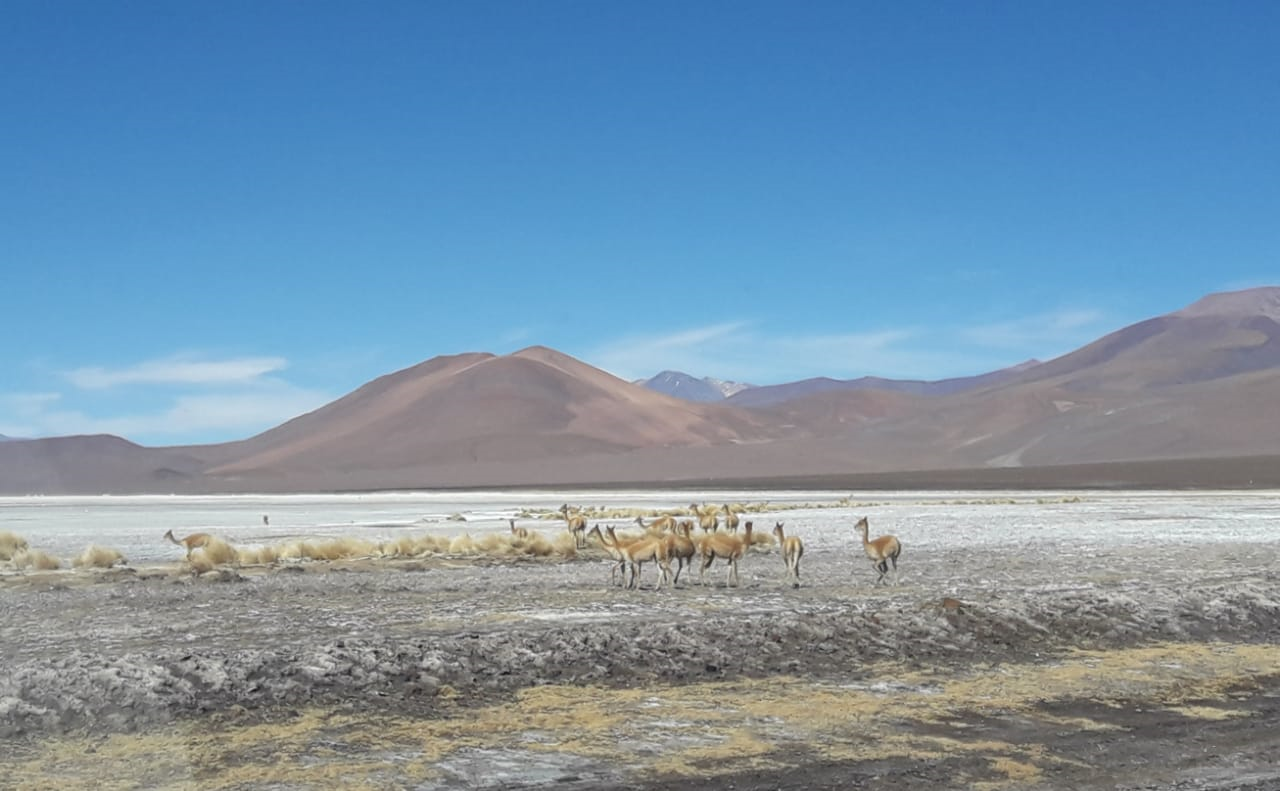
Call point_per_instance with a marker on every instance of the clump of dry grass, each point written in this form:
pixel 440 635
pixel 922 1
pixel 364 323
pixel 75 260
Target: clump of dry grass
pixel 534 544
pixel 406 546
pixel 399 547
pixel 257 556
pixel 200 563
pixel 96 557
pixel 462 545
pixel 217 552
pixel 35 559
pixel 565 545
pixel 341 548
pixel 11 544
pixel 435 544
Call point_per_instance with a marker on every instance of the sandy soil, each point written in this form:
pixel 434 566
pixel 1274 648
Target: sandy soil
pixel 1025 664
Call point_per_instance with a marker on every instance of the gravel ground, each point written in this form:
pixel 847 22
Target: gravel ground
pixel 1018 650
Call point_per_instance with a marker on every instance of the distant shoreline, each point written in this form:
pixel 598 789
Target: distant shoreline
pixel 1243 473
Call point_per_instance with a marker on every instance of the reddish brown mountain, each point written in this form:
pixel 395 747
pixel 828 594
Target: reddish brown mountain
pixel 533 405
pixel 1196 384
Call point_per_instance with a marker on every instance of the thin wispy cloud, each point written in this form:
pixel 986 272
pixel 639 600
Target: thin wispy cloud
pixel 176 371
pixel 515 335
pixel 746 352
pixel 741 351
pixel 236 414
pixel 171 400
pixel 1055 330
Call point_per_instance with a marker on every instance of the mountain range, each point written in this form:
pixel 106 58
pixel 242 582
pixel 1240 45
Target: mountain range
pixel 1180 399
pixel 690 388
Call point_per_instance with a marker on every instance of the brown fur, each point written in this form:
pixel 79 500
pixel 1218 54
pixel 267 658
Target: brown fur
pixel 882 551
pixel 519 532
pixel 680 545
pixel 792 551
pixel 727 546
pixel 730 519
pixel 611 548
pixel 189 543
pixel 639 551
pixel 707 520
pixel 576 524
pixel 660 524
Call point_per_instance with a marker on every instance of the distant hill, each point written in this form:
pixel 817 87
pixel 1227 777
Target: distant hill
pixel 92 464
pixel 682 385
pixel 1189 393
pixel 1197 382
pixel 531 406
pixel 767 395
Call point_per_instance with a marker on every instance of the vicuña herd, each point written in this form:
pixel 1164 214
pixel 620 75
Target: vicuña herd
pixel 667 541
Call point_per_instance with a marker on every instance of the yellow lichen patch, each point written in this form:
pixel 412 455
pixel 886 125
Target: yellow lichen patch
pixel 1076 723
pixel 697 730
pixel 740 751
pixel 1207 712
pixel 1170 672
pixel 1019 772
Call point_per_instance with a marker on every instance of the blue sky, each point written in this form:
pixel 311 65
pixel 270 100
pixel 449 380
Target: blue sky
pixel 216 216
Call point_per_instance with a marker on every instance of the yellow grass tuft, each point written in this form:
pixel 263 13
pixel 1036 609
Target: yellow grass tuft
pixel 200 563
pixel 342 548
pixel 257 556
pixel 400 547
pixel 536 544
pixel 565 545
pixel 96 557
pixel 217 551
pixel 356 547
pixel 10 544
pixel 35 559
pixel 462 545
pixel 435 544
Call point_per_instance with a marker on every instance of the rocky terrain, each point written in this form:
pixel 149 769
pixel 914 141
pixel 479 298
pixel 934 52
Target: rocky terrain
pixel 1142 653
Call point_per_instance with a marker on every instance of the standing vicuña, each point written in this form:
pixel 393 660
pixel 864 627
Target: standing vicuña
pixel 708 520
pixel 792 551
pixel 611 548
pixel 882 551
pixel 576 524
pixel 666 522
pixel 729 546
pixel 191 542
pixel 640 551
pixel 730 519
